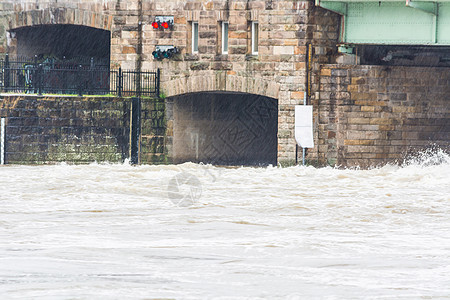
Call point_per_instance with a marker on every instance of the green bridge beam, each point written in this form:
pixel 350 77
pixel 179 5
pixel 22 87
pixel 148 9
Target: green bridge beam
pixel 429 7
pixel 398 22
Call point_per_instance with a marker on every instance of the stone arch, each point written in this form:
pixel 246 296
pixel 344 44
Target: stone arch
pixel 209 81
pixel 68 16
pixel 35 30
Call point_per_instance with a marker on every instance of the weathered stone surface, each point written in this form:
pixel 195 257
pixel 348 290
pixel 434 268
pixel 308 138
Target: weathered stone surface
pixel 383 127
pixel 347 99
pixel 78 130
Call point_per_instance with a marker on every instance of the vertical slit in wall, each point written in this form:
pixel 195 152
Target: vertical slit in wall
pixel 135 131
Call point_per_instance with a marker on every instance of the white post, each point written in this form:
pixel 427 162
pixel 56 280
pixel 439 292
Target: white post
pixel 2 142
pixel 304 149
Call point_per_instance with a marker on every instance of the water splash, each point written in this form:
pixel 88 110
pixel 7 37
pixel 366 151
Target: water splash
pixel 433 156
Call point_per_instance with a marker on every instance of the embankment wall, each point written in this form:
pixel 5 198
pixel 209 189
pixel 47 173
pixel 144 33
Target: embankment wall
pixel 372 115
pixel 43 130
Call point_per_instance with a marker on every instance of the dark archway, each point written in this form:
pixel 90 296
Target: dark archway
pixel 225 128
pixel 64 41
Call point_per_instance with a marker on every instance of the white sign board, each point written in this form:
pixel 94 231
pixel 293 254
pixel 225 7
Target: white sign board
pixel 304 126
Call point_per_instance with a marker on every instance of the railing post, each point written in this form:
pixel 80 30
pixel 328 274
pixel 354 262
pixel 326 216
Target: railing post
pixel 39 76
pixel 137 79
pixel 6 74
pixel 119 82
pixel 90 84
pixel 34 80
pixel 80 81
pixel 158 76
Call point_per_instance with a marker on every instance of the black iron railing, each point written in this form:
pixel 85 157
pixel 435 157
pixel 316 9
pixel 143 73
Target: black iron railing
pixel 69 77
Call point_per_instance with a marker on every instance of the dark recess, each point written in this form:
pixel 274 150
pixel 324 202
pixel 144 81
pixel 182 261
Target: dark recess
pixel 402 55
pixel 225 128
pixel 63 41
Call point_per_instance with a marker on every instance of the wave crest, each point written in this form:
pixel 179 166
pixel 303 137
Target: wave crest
pixel 432 156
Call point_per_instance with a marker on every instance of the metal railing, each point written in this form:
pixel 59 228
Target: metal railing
pixel 68 77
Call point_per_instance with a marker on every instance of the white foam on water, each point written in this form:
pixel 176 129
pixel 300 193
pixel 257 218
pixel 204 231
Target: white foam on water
pixel 111 231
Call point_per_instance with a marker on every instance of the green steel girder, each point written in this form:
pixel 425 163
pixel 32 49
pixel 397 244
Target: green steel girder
pixel 429 7
pixel 346 49
pixel 336 6
pixel 392 22
pixel 340 6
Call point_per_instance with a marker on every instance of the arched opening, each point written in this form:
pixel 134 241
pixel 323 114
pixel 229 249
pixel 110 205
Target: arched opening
pixel 61 41
pixel 225 128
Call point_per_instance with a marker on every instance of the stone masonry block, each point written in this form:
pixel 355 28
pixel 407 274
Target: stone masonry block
pixel 277 50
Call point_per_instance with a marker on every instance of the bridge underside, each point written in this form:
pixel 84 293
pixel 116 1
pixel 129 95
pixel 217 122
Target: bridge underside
pixel 392 22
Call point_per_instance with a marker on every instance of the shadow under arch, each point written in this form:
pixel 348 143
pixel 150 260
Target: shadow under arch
pixel 224 128
pixel 63 41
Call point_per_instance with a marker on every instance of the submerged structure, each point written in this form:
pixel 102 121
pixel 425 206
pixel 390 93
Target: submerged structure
pixel 377 73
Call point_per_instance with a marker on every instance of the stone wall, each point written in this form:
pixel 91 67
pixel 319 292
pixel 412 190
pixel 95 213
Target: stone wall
pixel 156 140
pixel 372 115
pixel 79 130
pixel 278 71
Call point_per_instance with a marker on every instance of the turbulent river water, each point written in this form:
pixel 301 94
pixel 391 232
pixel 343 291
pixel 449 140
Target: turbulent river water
pixel 192 231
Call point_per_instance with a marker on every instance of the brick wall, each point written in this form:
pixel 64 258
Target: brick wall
pixel 371 115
